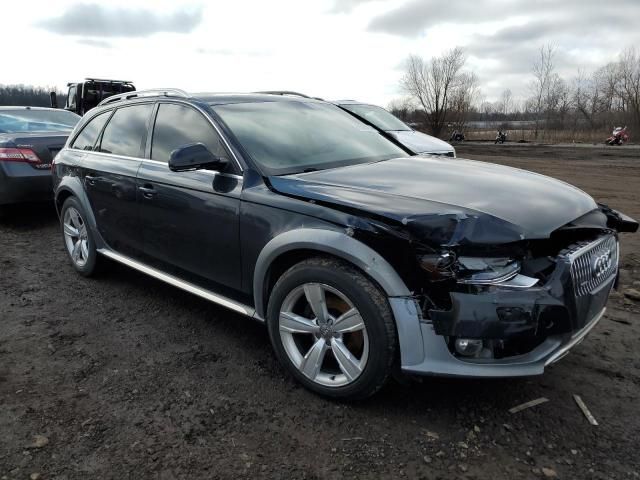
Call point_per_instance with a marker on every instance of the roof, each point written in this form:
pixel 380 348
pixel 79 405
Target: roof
pixel 210 98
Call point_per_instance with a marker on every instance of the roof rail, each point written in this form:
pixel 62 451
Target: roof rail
pixel 284 92
pixel 156 92
pixel 288 92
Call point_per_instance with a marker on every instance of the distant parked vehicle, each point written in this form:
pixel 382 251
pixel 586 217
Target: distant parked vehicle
pixel 386 123
pixel 29 139
pixel 457 136
pixel 501 137
pixel 416 142
pixel 619 136
pixel 86 95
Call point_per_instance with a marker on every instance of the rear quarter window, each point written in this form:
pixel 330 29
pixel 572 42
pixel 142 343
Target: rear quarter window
pixel 89 134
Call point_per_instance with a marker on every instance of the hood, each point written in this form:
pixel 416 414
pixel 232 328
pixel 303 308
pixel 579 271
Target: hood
pixel 419 142
pixel 447 202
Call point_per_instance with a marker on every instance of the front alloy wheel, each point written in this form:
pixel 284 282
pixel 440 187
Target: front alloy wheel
pixel 332 328
pixel 323 334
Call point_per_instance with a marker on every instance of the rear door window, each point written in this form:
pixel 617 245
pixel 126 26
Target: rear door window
pixel 179 125
pixel 89 134
pixel 126 131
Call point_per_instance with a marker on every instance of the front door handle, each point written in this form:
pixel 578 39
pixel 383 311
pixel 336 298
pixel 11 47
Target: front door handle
pixel 147 191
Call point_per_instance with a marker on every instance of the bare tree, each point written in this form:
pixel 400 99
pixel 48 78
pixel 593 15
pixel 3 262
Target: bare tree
pixel 443 92
pixel 506 102
pixel 463 98
pixel 586 97
pixel 401 108
pixel 543 71
pixel 431 83
pixel 630 82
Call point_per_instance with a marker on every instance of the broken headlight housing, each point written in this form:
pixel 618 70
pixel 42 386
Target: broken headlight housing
pixel 469 270
pixel 486 271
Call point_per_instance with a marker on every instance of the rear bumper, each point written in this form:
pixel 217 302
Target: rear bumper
pixel 552 318
pixel 20 183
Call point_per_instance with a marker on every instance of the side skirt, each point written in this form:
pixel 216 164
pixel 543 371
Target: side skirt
pixel 176 282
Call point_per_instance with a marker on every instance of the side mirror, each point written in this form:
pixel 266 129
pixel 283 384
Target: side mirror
pixel 193 157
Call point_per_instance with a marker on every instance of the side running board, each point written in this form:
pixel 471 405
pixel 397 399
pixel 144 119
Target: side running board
pixel 176 282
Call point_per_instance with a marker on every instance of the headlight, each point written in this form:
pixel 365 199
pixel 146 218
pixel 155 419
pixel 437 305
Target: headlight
pixel 438 266
pixel 486 271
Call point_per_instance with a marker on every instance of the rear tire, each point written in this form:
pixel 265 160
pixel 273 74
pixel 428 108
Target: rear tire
pixel 78 238
pixel 349 354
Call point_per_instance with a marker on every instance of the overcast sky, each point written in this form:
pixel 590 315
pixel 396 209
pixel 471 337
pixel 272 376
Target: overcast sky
pixel 329 48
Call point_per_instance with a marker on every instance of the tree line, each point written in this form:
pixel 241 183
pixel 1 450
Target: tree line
pixel 29 96
pixel 443 95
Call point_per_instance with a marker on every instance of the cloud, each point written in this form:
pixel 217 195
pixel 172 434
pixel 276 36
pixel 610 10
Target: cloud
pixel 92 42
pixel 94 20
pixel 231 52
pixel 513 49
pixel 346 6
pixel 417 16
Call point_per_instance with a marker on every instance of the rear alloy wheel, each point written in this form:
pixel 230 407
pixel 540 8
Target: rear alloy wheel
pixel 332 328
pixel 78 239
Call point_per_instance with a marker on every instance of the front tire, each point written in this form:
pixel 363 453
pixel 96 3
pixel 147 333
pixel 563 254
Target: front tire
pixel 332 329
pixel 78 239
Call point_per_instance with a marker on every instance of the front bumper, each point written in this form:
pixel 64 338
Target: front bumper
pixel 556 316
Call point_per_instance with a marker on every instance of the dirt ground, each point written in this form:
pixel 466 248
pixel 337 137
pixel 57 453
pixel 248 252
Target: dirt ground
pixel 123 377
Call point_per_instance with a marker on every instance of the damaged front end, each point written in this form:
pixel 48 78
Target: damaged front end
pixel 507 269
pixel 510 309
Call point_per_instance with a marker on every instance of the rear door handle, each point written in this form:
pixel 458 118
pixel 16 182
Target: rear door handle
pixel 91 180
pixel 148 191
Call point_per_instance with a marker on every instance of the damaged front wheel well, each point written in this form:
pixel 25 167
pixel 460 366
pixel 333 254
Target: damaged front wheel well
pixel 288 259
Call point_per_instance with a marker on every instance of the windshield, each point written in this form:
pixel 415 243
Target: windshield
pixel 24 120
pixel 286 137
pixel 378 116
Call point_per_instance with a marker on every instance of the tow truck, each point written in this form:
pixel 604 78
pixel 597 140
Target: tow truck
pixel 83 96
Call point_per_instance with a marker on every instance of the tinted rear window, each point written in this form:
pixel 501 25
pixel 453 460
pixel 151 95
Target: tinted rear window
pixel 126 130
pixel 27 120
pixel 89 134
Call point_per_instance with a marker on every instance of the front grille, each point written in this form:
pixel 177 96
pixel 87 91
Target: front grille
pixel 593 263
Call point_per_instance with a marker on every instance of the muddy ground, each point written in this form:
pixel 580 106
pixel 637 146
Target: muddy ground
pixel 124 377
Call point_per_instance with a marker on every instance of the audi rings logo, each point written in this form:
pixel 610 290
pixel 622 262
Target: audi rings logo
pixel 601 264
